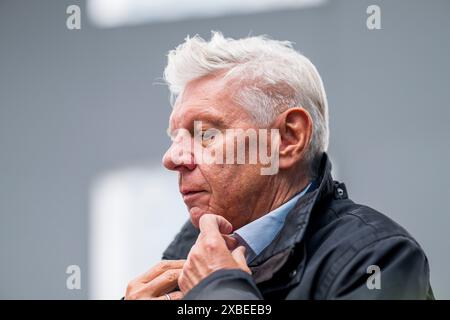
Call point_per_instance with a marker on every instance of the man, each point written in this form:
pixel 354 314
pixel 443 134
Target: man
pixel 292 233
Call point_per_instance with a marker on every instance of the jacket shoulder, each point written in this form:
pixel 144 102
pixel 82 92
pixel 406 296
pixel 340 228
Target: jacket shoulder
pixel 366 223
pixel 350 238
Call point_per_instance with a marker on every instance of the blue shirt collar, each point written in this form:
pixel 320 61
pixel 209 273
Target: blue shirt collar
pixel 258 234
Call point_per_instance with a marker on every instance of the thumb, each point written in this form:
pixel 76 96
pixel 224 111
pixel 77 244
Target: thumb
pixel 238 255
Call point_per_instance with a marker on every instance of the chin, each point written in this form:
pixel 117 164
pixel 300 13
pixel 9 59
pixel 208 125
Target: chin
pixel 195 214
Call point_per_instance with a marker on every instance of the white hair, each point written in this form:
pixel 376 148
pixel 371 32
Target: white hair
pixel 271 78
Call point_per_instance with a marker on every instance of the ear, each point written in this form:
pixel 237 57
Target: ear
pixel 295 126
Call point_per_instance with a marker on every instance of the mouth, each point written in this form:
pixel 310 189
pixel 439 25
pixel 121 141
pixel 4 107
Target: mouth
pixel 190 196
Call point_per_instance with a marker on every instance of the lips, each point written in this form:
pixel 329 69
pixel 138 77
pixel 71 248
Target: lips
pixel 190 195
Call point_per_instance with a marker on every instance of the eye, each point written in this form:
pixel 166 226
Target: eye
pixel 208 136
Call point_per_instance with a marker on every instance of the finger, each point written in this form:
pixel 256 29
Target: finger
pixel 213 223
pixel 176 295
pixel 162 284
pixel 239 256
pixel 231 242
pixel 160 268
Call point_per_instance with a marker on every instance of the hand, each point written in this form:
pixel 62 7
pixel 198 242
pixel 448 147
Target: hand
pixel 158 281
pixel 212 252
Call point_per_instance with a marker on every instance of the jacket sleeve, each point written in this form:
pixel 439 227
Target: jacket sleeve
pixel 226 284
pixel 403 272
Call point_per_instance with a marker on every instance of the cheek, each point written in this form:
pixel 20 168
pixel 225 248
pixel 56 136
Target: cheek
pixel 219 184
pixel 217 177
pixel 233 190
pixel 230 183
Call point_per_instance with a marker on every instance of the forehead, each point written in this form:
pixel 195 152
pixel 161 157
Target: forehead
pixel 206 99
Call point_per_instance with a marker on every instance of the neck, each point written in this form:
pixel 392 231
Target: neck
pixel 284 187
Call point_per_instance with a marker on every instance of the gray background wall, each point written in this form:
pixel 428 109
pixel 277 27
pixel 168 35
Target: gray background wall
pixel 74 104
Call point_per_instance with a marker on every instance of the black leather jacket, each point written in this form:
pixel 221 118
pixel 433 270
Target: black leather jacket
pixel 323 251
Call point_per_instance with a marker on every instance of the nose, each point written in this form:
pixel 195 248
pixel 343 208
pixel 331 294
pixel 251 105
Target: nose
pixel 179 158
